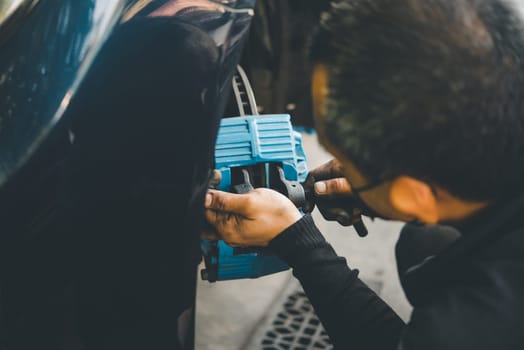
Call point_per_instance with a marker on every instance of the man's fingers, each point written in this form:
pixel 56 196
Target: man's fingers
pixel 218 219
pixel 228 202
pixel 225 223
pixel 338 186
pixel 215 179
pixel 329 170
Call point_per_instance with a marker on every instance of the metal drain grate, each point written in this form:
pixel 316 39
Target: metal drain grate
pixel 296 327
pixel 291 323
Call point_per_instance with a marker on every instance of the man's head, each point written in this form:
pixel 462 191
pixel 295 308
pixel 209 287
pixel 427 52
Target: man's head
pixel 425 97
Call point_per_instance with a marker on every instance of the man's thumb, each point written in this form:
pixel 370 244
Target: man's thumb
pixel 337 186
pixel 225 201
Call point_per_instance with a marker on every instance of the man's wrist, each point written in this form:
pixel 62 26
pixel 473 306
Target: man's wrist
pixel 302 234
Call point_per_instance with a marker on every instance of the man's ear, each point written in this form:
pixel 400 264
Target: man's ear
pixel 414 198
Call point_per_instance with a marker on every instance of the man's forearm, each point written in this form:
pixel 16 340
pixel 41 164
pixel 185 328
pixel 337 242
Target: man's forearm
pixel 354 316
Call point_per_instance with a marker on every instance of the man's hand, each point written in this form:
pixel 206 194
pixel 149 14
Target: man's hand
pixel 333 194
pixel 251 219
pixel 329 180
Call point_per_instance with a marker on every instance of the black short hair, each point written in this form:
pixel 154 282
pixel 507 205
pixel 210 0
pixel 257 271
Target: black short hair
pixel 431 89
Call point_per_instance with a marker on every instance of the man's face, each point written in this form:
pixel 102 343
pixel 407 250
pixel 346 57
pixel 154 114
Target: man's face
pixel 377 198
pixel 403 198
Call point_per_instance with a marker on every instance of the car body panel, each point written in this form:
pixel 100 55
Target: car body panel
pixel 44 62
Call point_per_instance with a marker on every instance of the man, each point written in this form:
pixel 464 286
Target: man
pixel 422 104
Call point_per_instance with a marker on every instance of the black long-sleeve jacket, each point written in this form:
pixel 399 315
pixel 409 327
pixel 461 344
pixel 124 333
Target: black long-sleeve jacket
pixel 466 285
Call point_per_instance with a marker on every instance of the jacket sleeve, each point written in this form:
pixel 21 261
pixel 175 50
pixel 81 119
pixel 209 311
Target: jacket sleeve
pixel 482 311
pixel 353 315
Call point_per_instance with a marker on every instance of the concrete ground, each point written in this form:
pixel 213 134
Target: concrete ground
pixel 230 315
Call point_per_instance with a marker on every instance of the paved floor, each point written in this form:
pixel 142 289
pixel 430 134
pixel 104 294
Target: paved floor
pixel 230 314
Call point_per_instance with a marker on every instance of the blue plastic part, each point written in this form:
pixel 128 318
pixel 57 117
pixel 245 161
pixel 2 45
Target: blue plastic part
pixel 244 141
pixel 234 263
pixel 305 130
pixel 247 141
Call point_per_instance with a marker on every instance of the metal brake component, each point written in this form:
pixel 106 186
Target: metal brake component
pixel 361 229
pixel 341 210
pixel 244 96
pixel 253 151
pixel 358 224
pixel 243 187
pixel 294 190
